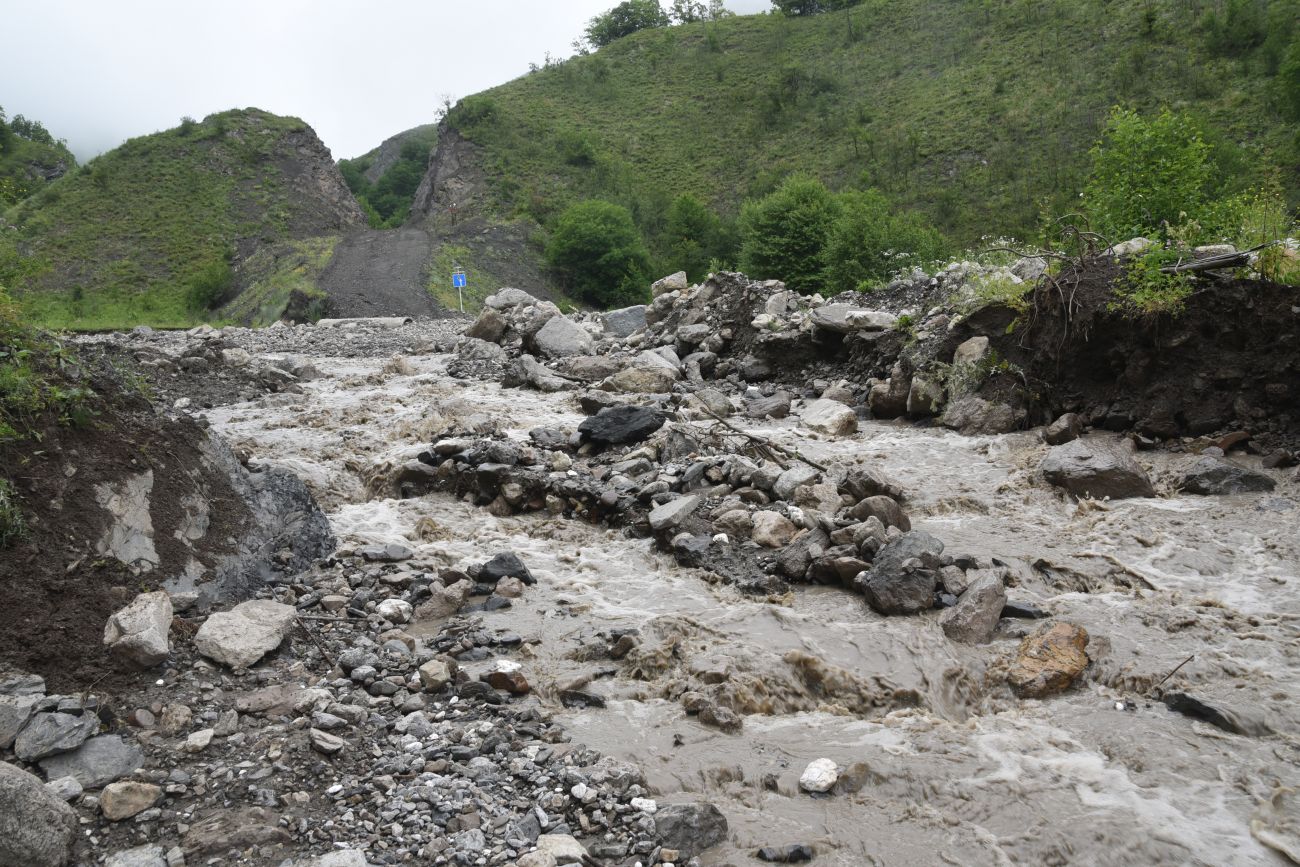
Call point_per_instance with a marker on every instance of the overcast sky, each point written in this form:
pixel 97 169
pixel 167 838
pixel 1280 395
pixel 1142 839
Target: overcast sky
pixel 97 72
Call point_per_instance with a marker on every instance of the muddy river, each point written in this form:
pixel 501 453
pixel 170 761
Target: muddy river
pixel 953 769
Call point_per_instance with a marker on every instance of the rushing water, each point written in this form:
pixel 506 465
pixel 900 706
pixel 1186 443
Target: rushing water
pixel 954 770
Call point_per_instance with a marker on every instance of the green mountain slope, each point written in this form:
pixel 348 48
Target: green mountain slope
pixel 30 158
pixel 978 113
pixel 157 231
pixel 384 180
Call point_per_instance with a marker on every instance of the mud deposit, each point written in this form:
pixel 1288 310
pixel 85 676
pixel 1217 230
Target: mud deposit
pixel 943 764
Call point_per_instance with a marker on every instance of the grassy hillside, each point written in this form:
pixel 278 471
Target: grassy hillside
pixel 979 113
pixel 30 158
pixel 156 231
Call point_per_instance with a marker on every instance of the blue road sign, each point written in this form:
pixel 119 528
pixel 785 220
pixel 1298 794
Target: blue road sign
pixel 458 281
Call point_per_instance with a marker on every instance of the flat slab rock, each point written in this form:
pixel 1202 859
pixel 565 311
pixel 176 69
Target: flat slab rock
pixel 241 636
pixel 97 762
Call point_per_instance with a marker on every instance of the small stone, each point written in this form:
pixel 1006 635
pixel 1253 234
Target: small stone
pixel 390 553
pixel 510 587
pixel 512 682
pixel 65 788
pixel 975 616
pixel 670 514
pixel 198 741
pixel 124 799
pixel 772 529
pixel 691 828
pixel 137 634
pixel 721 717
pixel 395 610
pixel 819 776
pixel 324 742
pixel 434 675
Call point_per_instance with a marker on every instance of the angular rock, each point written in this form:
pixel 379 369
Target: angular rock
pixel 148 855
pixel 37 829
pixel 924 398
pixel 975 616
pixel 715 401
pixel 820 776
pixel 65 788
pixel 506 564
pixel 829 417
pixel 903 574
pixel 1213 476
pixel 526 370
pixel 241 636
pixel 772 529
pixel 625 321
pixel 434 675
pixel 490 326
pixel 97 762
pixel 15 711
pixel 668 515
pixel 560 337
pixel 971 351
pixel 690 828
pixel 389 553
pixel 324 742
pixel 776 406
pixel 672 283
pixel 137 634
pixel 48 733
pixel 800 474
pixel 1065 429
pixel 884 509
pixel 621 425
pixel 1096 468
pixel 1050 660
pixel 394 610
pixel 642 379
pixel 124 799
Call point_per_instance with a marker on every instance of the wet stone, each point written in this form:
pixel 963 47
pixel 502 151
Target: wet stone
pixel 1049 660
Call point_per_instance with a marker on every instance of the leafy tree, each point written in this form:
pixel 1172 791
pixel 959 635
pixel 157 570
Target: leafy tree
pixel 784 234
pixel 869 242
pixel 695 237
pixel 625 19
pixel 688 11
pixel 1146 172
pixel 599 254
pixel 812 7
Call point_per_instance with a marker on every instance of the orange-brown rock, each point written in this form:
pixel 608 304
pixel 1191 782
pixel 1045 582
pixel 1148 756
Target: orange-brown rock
pixel 1050 660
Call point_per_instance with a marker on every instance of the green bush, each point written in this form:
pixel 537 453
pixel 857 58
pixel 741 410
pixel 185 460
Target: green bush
pixel 599 254
pixel 1147 173
pixel 211 285
pixel 695 237
pixel 784 234
pixel 623 20
pixel 868 242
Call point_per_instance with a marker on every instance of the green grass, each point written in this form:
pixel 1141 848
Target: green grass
pixel 274 274
pixel 977 113
pixel 119 242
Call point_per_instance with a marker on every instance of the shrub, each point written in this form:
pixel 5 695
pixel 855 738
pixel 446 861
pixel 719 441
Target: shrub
pixel 868 242
pixel 210 286
pixel 599 254
pixel 1145 290
pixel 1147 173
pixel 784 234
pixel 695 238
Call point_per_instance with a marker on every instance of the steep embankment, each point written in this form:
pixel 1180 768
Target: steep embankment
pixel 30 158
pixel 159 230
pixel 974 113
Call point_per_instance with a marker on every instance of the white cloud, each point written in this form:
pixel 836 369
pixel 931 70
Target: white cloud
pixel 99 73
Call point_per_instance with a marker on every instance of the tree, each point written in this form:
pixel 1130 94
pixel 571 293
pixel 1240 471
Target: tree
pixel 812 7
pixel 599 254
pixel 695 237
pixel 784 234
pixel 1146 172
pixel 688 11
pixel 869 242
pixel 625 19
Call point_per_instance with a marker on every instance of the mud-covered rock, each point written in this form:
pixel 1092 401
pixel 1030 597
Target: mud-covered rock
pixel 1096 468
pixel 975 616
pixel 690 828
pixel 903 574
pixel 1212 476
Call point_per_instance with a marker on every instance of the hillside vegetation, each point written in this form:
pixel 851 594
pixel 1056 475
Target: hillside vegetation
pixel 385 179
pixel 156 231
pixel 977 113
pixel 30 158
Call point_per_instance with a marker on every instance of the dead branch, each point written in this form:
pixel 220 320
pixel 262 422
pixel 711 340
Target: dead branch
pixel 764 442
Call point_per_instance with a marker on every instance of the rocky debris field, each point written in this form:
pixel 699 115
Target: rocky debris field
pixel 408 694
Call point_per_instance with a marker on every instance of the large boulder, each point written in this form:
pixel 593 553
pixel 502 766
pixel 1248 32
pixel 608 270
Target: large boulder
pixel 528 371
pixel 490 326
pixel 560 337
pixel 924 398
pixel 1049 660
pixel 241 636
pixel 1064 430
pixel 903 575
pixel 1096 468
pixel 37 829
pixel 829 417
pixel 975 616
pixel 621 425
pixel 972 415
pixel 1212 476
pixel 690 828
pixel 624 322
pixel 138 633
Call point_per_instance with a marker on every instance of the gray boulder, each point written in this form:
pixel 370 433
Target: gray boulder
pixel 1065 429
pixel 15 711
pixel 903 574
pixel 243 635
pixel 528 371
pixel 973 415
pixel 799 474
pixel 97 762
pixel 1214 476
pixel 560 337
pixel 49 733
pixel 37 829
pixel 1096 468
pixel 624 322
pixel 670 514
pixel 976 614
pixel 137 634
pixel 690 828
pixel 490 326
pixel 829 417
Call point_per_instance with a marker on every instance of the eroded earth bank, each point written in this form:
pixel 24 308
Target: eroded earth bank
pixel 677 589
